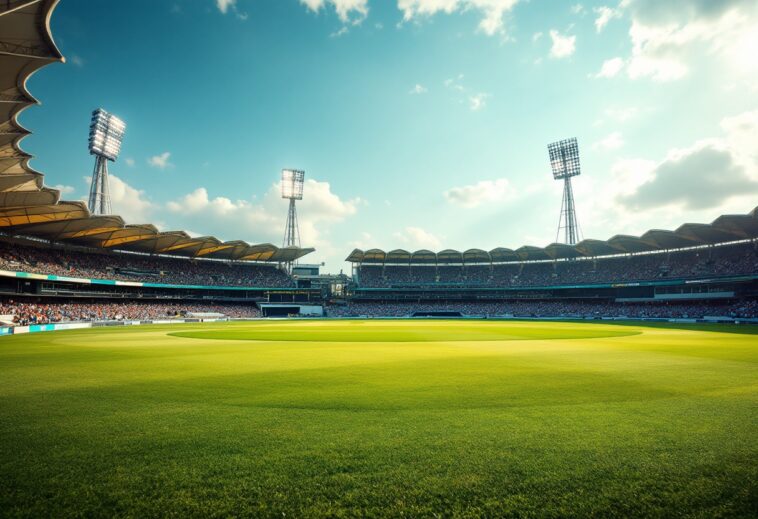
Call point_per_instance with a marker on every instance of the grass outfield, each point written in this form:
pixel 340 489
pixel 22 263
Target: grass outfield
pixel 380 418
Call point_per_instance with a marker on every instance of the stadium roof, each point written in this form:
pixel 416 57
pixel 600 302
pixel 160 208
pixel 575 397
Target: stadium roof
pixel 724 229
pixel 29 208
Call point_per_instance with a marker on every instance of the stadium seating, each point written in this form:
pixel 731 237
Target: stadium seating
pixel 583 309
pixel 133 267
pixel 25 313
pixel 725 260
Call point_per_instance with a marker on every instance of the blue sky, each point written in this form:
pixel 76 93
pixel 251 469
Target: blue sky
pixel 420 123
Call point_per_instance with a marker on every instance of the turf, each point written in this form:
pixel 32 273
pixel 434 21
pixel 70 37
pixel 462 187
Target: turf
pixel 380 418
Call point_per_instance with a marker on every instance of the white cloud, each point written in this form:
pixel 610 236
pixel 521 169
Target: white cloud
pixel 348 11
pixel 478 101
pixel 695 183
pixel 129 203
pixel 265 218
pixel 667 36
pixel 712 176
pixel 611 68
pixel 417 238
pixel 612 141
pixel 160 161
pixel 418 89
pixel 577 9
pixel 473 195
pixel 341 32
pixel 604 15
pixel 563 46
pixel 700 177
pixel 225 5
pixel 536 36
pixel 77 60
pixel 129 162
pixel 492 11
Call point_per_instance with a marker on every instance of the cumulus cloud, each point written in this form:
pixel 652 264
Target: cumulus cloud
pixel 417 238
pixel 667 36
pixel 160 161
pixel 563 45
pixel 612 141
pixel 610 68
pixel 698 179
pixel 473 195
pixel 265 218
pixel 706 175
pixel 129 203
pixel 492 11
pixel 348 11
pixel 418 89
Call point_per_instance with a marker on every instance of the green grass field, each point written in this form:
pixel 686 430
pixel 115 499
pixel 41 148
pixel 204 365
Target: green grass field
pixel 382 418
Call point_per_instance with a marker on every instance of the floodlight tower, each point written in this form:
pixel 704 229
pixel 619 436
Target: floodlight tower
pixel 292 190
pixel 105 134
pixel 564 159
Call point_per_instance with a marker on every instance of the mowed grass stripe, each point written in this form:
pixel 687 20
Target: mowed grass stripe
pixel 137 422
pixel 407 331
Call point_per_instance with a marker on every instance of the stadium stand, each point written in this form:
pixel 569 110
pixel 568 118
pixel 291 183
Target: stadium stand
pixel 568 309
pixel 699 270
pixel 24 313
pixel 131 267
pixel 724 260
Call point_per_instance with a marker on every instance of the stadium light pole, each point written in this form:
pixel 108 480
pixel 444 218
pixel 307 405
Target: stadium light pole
pixel 105 134
pixel 292 190
pixel 564 160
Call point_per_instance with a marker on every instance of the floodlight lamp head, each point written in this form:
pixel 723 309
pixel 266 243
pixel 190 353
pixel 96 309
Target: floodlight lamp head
pixel 106 132
pixel 292 184
pixel 564 158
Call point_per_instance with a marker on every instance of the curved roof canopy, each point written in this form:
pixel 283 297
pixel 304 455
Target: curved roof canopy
pixel 724 229
pixel 29 208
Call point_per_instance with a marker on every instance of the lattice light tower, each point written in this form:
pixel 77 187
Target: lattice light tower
pixel 292 190
pixel 105 134
pixel 564 159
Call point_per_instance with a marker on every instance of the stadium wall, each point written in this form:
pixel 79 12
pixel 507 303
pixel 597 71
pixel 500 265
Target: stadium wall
pixel 56 327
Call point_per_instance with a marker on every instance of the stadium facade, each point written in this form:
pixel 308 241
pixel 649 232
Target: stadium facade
pixel 60 262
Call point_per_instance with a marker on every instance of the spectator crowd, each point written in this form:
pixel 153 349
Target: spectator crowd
pixel 586 308
pixel 714 261
pixel 23 313
pixel 135 267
